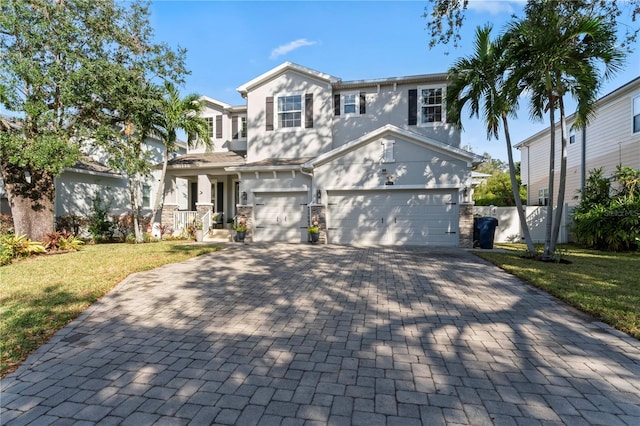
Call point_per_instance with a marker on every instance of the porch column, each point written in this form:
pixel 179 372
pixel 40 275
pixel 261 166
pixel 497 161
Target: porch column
pixel 203 205
pixel 170 204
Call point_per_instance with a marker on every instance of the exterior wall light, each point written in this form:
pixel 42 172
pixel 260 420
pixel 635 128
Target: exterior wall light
pixel 243 197
pixel 318 195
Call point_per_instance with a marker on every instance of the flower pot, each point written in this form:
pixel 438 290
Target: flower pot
pixel 199 235
pixel 240 236
pixel 313 237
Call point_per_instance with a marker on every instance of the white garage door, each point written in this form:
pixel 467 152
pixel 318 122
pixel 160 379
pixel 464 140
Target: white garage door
pixel 393 217
pixel 280 217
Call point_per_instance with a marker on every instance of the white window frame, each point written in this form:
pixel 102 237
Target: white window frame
pixel 145 196
pixel 442 120
pixel 635 115
pixel 356 103
pixel 276 111
pixel 572 136
pixel 242 131
pixel 211 126
pixel 543 196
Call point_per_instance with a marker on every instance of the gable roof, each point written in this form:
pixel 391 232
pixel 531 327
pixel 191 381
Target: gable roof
pixel 391 130
pixel 281 69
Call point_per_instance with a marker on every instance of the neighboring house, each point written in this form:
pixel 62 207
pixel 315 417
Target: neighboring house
pixel 374 161
pixel 611 138
pixel 90 177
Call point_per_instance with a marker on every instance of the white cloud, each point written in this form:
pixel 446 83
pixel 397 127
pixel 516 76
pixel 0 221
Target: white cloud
pixel 494 7
pixel 293 45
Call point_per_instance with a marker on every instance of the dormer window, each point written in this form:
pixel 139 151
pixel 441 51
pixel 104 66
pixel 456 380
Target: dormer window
pixel 350 103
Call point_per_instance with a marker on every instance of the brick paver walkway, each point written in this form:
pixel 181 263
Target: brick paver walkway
pixel 314 335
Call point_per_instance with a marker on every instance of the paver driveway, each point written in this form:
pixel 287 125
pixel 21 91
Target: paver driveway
pixel 296 334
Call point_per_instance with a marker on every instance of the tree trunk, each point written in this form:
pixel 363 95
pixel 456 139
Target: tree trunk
pixel 156 216
pixel 548 247
pixel 135 211
pixel 563 177
pixel 31 200
pixel 516 190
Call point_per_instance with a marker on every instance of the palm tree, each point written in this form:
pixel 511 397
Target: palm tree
pixel 174 114
pixel 558 51
pixel 479 80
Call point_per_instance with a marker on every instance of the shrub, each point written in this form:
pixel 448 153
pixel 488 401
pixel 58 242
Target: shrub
pixel 13 246
pixel 71 223
pixel 100 227
pixel 609 218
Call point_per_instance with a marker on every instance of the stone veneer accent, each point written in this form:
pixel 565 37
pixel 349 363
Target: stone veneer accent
pixel 320 211
pixel 202 209
pixel 167 215
pixel 248 212
pixel 466 225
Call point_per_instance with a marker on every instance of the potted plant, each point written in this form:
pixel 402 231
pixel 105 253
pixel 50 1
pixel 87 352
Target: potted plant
pixel 241 231
pixel 198 231
pixel 241 228
pixel 314 230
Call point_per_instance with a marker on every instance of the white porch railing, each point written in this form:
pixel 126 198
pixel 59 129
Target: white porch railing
pixel 206 223
pixel 182 219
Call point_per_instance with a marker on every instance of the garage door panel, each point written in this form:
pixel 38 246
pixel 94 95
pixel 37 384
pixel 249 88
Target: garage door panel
pixel 280 217
pixel 398 217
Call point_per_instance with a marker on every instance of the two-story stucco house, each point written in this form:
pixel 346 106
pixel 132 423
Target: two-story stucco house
pixel 612 137
pixel 373 161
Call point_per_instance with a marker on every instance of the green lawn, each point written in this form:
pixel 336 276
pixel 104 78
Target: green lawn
pixel 40 295
pixel 605 285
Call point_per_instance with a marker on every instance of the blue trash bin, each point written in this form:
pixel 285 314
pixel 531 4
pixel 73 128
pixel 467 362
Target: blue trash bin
pixel 484 231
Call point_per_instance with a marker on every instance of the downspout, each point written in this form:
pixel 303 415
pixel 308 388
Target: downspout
pixel 583 168
pixel 310 174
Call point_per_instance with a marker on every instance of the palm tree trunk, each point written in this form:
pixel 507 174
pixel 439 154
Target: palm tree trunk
pixel 515 189
pixel 563 177
pixel 548 247
pixel 156 216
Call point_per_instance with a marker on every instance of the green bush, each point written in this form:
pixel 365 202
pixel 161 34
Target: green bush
pixel 608 216
pixel 100 227
pixel 13 246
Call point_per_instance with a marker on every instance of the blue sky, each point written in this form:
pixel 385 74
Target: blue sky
pixel 231 42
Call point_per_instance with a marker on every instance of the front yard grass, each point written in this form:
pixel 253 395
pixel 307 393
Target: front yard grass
pixel 40 295
pixel 605 285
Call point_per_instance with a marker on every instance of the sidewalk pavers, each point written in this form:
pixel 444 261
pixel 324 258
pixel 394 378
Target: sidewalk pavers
pixel 295 334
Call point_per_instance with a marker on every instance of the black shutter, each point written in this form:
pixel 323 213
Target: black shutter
pixel 336 104
pixel 363 103
pixel 218 127
pixel 234 127
pixel 308 110
pixel 413 107
pixel 269 113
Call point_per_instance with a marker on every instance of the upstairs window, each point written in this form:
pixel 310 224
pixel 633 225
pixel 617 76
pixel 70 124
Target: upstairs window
pixel 350 103
pixel 572 136
pixel 430 105
pixel 209 121
pixel 290 111
pixel 636 115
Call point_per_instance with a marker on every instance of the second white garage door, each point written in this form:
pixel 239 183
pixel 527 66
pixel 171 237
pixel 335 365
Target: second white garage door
pixel 397 217
pixel 281 217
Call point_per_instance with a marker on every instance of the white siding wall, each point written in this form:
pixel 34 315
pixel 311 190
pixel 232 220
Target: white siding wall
pixel 609 141
pixel 388 105
pixel 289 142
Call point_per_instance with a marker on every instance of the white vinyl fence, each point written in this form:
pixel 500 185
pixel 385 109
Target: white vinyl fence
pixel 508 230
